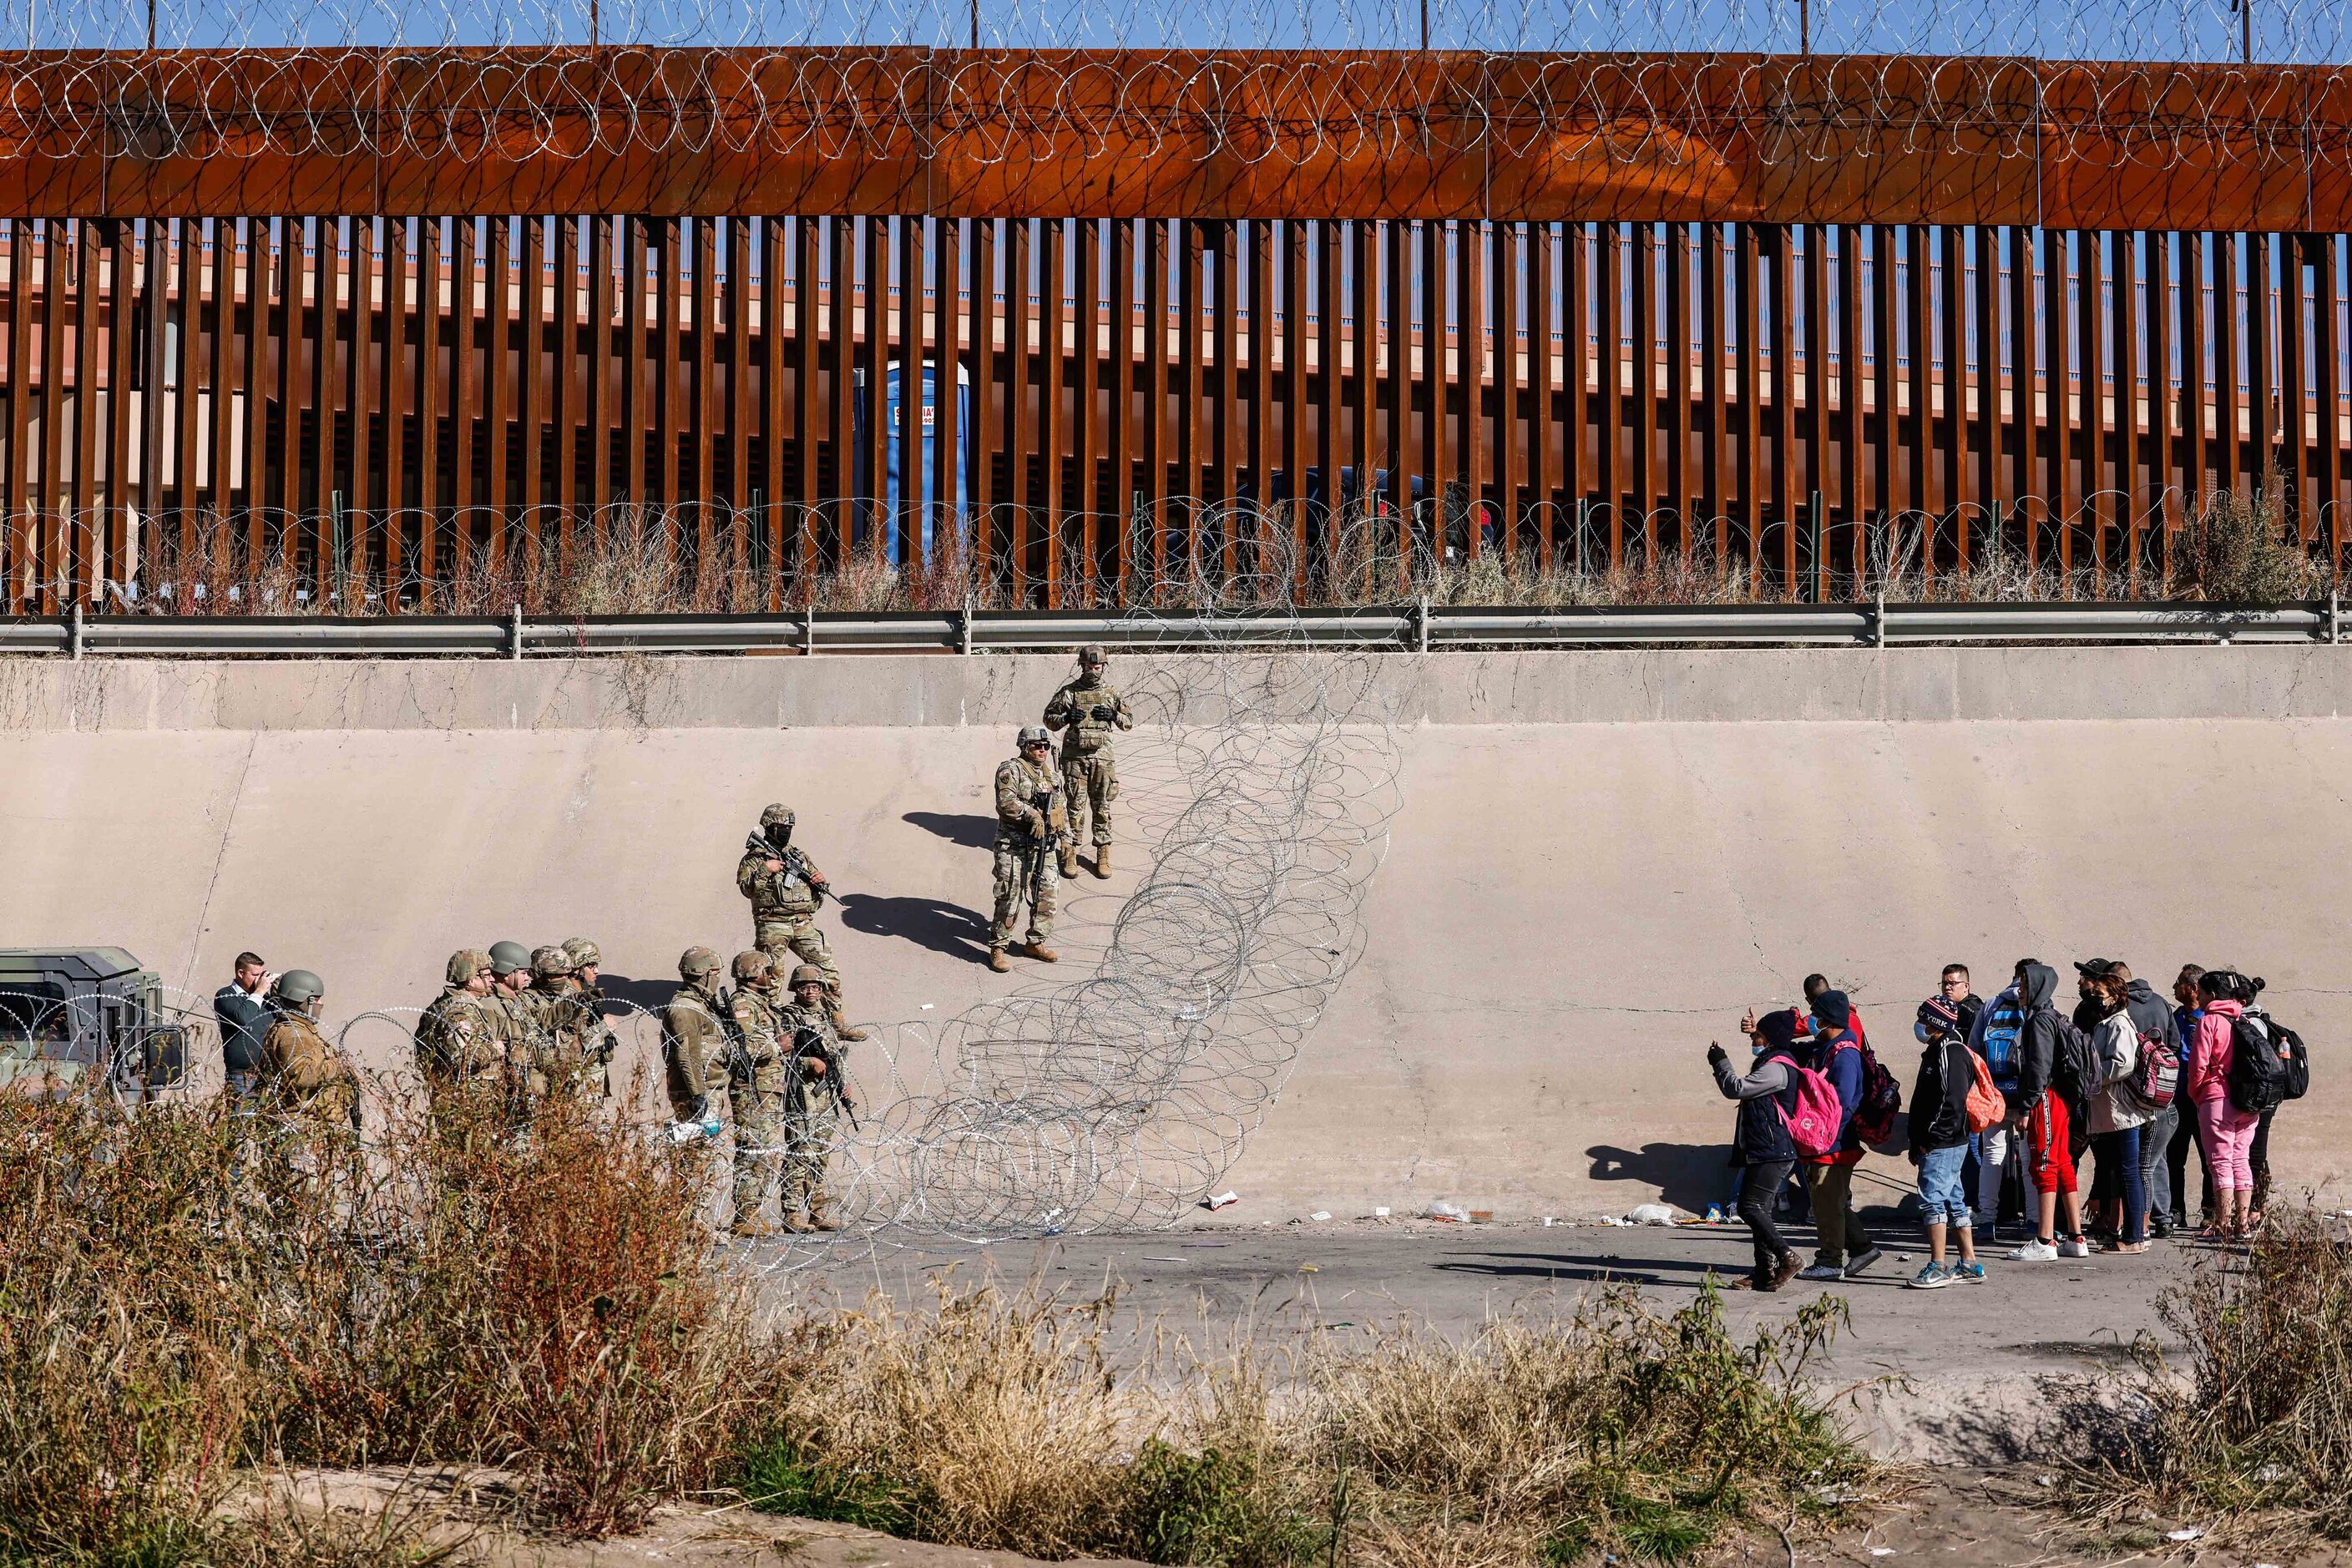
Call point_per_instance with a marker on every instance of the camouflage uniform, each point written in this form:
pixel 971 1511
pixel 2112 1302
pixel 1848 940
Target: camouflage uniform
pixel 1089 771
pixel 579 1048
pixel 783 911
pixel 301 1074
pixel 530 1045
pixel 758 1079
pixel 458 1039
pixel 1026 865
pixel 811 1109
pixel 695 1046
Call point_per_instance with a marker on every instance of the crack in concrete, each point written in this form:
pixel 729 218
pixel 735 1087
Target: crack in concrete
pixel 220 858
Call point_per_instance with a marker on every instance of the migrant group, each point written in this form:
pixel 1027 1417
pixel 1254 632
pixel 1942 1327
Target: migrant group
pixel 2009 1099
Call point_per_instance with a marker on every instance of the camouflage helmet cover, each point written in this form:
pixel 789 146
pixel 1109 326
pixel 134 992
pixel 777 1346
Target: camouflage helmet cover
pixel 696 962
pixel 777 815
pixel 1093 654
pixel 467 962
pixel 300 986
pixel 1034 735
pixel 550 962
pixel 583 953
pixel 506 957
pixel 807 974
pixel 752 965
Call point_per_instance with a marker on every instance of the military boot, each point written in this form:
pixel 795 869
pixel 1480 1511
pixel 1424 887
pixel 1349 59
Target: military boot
pixel 753 1229
pixel 841 1025
pixel 796 1225
pixel 1069 862
pixel 1102 860
pixel 1041 953
pixel 996 960
pixel 820 1220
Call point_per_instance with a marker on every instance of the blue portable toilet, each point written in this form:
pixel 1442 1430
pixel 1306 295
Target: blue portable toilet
pixel 890 488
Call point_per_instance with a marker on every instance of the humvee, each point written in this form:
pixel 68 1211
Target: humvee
pixel 89 1017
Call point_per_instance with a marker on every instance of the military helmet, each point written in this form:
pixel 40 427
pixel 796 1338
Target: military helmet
pixel 299 987
pixel 777 815
pixel 506 957
pixel 550 962
pixel 753 965
pixel 1093 654
pixel 697 962
pixel 583 953
pixel 1034 735
pixel 467 962
pixel 808 974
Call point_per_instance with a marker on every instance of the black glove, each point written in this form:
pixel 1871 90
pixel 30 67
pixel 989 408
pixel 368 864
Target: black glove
pixel 1716 1054
pixel 1102 715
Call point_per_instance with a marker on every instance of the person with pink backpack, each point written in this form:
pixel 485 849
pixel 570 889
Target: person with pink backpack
pixel 1843 1249
pixel 1762 1145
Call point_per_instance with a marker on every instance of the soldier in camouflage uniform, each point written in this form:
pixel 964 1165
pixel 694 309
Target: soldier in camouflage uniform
pixel 785 889
pixel 694 1037
pixel 1088 712
pixel 588 999
pixel 458 1039
pixel 518 1014
pixel 816 1095
pixel 299 1073
pixel 568 1043
pixel 757 1079
pixel 1032 824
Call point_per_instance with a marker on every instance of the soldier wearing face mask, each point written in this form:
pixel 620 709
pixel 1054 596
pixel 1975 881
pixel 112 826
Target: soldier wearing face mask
pixel 786 889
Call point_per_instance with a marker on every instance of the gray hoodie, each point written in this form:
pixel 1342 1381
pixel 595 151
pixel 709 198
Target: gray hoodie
pixel 2037 1045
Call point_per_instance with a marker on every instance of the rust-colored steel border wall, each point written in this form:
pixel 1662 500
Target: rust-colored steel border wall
pixel 418 404
pixel 1139 134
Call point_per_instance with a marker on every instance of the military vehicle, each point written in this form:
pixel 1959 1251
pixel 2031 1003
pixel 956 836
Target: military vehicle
pixel 89 1018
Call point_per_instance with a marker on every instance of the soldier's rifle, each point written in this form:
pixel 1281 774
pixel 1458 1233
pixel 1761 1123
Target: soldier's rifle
pixel 808 1041
pixel 793 864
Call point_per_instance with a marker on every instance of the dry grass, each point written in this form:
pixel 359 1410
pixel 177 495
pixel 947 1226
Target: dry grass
pixel 2253 1439
pixel 997 1422
pixel 627 560
pixel 190 1292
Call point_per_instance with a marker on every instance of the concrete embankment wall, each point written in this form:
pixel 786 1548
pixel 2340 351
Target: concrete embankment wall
pixel 1600 860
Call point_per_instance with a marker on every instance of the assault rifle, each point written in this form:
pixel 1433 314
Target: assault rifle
pixel 809 1041
pixel 795 864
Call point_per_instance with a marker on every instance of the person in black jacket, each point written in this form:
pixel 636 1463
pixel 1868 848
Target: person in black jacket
pixel 244 1020
pixel 2040 1114
pixel 1761 1147
pixel 1939 1148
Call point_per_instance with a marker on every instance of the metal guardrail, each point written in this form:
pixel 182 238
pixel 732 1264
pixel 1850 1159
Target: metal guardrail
pixel 1419 627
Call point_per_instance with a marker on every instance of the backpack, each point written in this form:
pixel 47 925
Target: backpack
pixel 2257 1081
pixel 1881 1100
pixel 2004 1022
pixel 2293 1059
pixel 1815 1119
pixel 2074 1065
pixel 2156 1078
pixel 1987 1108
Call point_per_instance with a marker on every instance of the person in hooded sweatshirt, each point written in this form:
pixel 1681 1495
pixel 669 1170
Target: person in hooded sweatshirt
pixel 2039 1116
pixel 1996 1037
pixel 2227 1133
pixel 2118 1200
pixel 1761 1147
pixel 1939 1147
pixel 1842 1248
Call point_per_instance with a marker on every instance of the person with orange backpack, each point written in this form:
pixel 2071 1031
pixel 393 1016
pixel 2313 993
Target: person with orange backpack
pixel 1842 1248
pixel 1942 1120
pixel 1763 1147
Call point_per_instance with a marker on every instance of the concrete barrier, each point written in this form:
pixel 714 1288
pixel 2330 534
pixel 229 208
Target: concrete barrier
pixel 1602 858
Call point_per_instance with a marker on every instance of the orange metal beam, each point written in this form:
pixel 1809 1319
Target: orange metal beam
pixel 668 133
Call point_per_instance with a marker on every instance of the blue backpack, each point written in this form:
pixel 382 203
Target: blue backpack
pixel 2004 1024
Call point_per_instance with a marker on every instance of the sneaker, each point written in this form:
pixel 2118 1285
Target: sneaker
pixel 2159 1227
pixel 1935 1276
pixel 1984 1233
pixel 1967 1274
pixel 2074 1247
pixel 2036 1251
pixel 1862 1260
pixel 1790 1268
pixel 1823 1271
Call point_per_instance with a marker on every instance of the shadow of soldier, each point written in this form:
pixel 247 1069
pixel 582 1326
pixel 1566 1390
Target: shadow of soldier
pixel 651 995
pixel 967 830
pixel 942 927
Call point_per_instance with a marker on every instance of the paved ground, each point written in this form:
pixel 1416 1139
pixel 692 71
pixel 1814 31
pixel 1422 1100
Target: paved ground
pixel 1969 1360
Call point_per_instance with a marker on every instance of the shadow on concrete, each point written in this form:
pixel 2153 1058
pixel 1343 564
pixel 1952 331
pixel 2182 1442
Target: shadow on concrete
pixel 1668 1271
pixel 969 831
pixel 1688 1176
pixel 942 927
pixel 652 995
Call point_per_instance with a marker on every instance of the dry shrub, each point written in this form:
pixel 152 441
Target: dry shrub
pixel 2233 549
pixel 192 1291
pixel 995 1422
pixel 2258 1435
